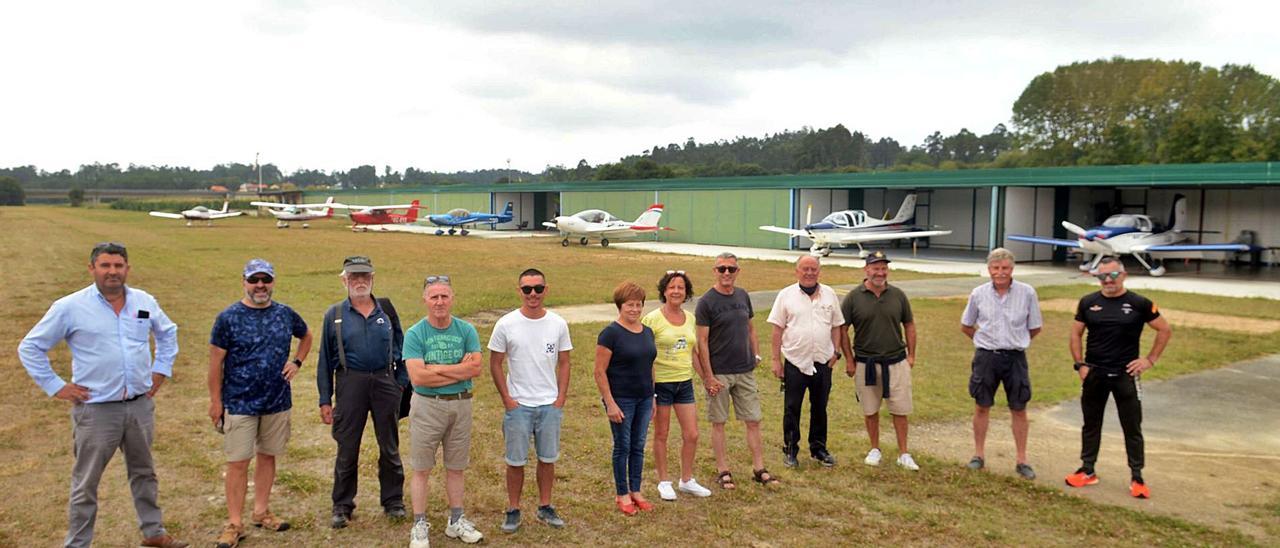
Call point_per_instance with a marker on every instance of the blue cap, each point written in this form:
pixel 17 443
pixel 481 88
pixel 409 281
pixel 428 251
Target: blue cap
pixel 258 266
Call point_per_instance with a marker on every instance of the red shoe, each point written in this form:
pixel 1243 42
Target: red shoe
pixel 1139 490
pixel 643 505
pixel 1081 478
pixel 626 507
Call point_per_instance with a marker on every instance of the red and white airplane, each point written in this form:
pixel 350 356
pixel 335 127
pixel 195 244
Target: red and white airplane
pixel 199 213
pixel 597 223
pixel 298 212
pixel 365 218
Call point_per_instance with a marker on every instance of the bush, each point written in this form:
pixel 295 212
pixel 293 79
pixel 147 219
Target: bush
pixel 11 192
pixel 173 205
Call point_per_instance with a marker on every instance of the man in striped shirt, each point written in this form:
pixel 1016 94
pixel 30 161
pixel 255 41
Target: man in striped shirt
pixel 1002 317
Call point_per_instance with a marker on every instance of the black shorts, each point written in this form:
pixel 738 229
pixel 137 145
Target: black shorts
pixel 671 393
pixel 990 369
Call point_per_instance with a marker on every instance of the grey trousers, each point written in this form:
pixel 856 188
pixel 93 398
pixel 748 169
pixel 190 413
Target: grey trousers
pixel 98 430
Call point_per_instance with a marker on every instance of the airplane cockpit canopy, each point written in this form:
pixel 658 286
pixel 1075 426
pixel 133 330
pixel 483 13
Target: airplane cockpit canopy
pixel 201 209
pixel 459 212
pixel 595 216
pixel 847 218
pixel 1138 222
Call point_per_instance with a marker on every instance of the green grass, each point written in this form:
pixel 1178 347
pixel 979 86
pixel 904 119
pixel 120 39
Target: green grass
pixel 1254 307
pixel 194 274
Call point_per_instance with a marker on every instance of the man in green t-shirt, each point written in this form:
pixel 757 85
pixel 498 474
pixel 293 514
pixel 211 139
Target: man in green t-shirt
pixel 442 354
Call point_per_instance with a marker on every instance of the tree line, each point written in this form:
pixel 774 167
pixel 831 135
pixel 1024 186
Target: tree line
pixel 1105 112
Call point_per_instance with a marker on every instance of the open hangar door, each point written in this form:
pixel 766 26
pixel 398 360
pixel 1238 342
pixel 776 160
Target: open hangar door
pixel 528 209
pixel 962 211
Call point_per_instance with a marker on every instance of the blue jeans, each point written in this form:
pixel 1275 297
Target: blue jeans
pixel 628 442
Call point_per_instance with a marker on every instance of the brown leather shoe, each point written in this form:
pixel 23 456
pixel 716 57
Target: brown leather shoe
pixel 270 522
pixel 231 535
pixel 164 541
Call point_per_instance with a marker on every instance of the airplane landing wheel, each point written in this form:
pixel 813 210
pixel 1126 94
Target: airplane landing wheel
pixel 583 241
pixel 464 232
pixel 564 242
pixel 282 224
pixel 451 231
pixel 439 233
pixel 188 223
pixel 306 225
pixel 1084 267
pixel 604 242
pixel 1157 271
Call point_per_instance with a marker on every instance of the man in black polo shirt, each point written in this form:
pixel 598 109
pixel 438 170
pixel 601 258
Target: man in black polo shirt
pixel 1110 366
pixel 357 378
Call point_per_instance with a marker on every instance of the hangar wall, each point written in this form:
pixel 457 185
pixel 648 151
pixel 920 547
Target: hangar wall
pixel 698 216
pixel 435 202
pixel 521 212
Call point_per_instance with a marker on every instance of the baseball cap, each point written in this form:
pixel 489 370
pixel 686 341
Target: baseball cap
pixel 878 257
pixel 357 264
pixel 258 266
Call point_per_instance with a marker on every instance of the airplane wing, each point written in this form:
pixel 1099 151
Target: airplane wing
pixel 1046 241
pixel 788 231
pixel 215 215
pixel 278 205
pixel 371 208
pixel 856 238
pixel 1191 247
pixel 165 215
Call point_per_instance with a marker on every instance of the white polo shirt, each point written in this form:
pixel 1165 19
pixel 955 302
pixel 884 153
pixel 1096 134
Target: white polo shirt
pixel 808 322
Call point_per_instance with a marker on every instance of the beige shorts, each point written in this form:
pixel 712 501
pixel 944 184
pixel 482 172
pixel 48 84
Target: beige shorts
pixel 741 388
pixel 434 422
pixel 245 435
pixel 899 389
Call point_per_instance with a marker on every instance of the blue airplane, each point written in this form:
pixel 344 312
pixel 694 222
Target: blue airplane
pixel 458 219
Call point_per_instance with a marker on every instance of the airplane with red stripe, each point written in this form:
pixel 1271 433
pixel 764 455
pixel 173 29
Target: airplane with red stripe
pixel 598 223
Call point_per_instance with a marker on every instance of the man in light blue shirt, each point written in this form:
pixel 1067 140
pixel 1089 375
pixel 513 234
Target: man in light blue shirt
pixel 107 326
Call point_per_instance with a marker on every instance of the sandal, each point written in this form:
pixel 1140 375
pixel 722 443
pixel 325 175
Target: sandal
pixel 625 506
pixel 725 479
pixel 762 480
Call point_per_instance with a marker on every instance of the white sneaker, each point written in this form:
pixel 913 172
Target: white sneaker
pixel 693 488
pixel 905 461
pixel 418 536
pixel 873 458
pixel 665 492
pixel 464 531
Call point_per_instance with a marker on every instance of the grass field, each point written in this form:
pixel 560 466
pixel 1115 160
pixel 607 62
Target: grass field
pixel 194 274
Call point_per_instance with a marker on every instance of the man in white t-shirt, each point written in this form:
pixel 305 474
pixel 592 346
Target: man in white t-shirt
pixel 533 391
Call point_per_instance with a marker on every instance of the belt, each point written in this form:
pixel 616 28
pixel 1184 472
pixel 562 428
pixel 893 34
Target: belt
pixel 884 370
pixel 448 397
pixel 1002 350
pixel 136 396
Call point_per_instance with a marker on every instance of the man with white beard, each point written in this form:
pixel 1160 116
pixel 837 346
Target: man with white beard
pixel 360 344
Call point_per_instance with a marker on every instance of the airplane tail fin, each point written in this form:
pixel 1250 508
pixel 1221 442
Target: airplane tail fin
pixel 1178 216
pixel 412 215
pixel 328 211
pixel 907 211
pixel 224 206
pixel 650 216
pixel 509 211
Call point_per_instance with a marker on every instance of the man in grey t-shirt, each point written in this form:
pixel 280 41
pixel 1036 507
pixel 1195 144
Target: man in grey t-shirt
pixel 727 341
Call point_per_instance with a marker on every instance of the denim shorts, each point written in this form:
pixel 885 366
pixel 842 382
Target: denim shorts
pixel 671 393
pixel 542 423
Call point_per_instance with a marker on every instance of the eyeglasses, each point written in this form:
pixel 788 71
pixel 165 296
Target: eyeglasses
pixel 1112 275
pixel 527 289
pixel 723 268
pixel 259 279
pixel 443 280
pixel 678 272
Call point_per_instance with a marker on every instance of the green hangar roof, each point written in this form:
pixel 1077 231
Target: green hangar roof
pixel 1177 175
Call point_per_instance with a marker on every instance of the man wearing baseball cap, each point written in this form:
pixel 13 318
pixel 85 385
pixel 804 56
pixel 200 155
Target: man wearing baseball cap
pixel 360 344
pixel 250 370
pixel 883 353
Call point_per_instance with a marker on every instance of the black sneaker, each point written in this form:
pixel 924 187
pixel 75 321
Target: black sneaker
pixel 976 463
pixel 395 512
pixel 547 514
pixel 512 521
pixel 824 458
pixel 340 520
pixel 1025 471
pixel 789 460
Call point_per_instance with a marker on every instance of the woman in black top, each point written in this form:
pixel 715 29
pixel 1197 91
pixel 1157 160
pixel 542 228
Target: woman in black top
pixel 625 352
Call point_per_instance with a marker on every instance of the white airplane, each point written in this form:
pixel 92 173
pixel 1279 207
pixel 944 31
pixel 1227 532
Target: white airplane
pixel 298 212
pixel 854 226
pixel 1137 235
pixel 596 223
pixel 199 213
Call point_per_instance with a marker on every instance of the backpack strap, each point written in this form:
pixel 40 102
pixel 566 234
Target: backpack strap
pixel 390 310
pixel 336 310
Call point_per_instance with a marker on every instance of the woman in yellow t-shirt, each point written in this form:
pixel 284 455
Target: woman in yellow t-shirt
pixel 675 334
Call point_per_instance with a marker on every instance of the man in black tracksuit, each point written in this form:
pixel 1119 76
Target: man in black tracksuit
pixel 1110 366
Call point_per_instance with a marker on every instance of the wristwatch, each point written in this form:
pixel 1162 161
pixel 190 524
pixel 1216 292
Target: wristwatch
pixel 1078 365
pixel 839 355
pixel 296 362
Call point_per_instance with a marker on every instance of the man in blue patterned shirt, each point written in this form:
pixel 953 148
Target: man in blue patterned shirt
pixel 107 326
pixel 249 397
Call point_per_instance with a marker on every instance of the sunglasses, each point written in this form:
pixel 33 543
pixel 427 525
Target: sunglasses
pixel 730 269
pixel 437 280
pixel 679 272
pixel 527 289
pixel 259 279
pixel 1112 275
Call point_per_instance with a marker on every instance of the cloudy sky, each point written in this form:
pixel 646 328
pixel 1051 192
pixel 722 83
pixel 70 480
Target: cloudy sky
pixel 456 85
